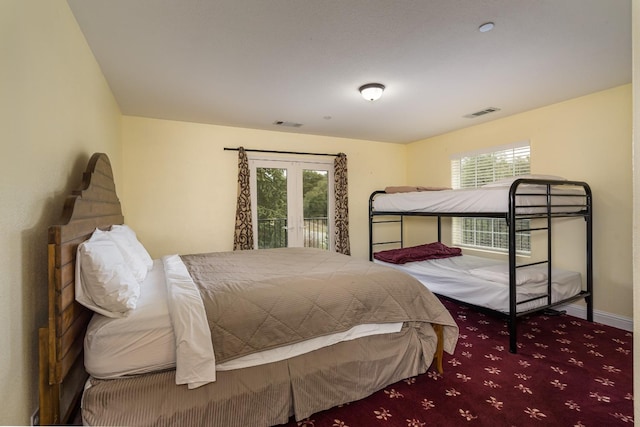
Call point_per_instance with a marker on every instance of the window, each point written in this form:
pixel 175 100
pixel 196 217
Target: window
pixel 474 169
pixel 292 203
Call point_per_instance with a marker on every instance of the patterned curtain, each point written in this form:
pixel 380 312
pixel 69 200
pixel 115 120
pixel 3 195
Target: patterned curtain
pixel 243 237
pixel 341 205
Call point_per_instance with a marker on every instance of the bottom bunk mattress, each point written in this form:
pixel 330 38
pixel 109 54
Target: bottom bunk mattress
pixel 268 394
pixel 485 282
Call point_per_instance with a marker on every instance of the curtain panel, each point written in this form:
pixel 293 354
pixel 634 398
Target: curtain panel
pixel 243 236
pixel 341 205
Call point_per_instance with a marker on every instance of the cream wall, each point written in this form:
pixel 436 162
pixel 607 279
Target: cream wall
pixel 636 198
pixel 588 139
pixel 180 185
pixel 55 111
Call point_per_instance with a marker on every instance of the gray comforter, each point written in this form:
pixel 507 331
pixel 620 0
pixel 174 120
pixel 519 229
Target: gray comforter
pixel 262 299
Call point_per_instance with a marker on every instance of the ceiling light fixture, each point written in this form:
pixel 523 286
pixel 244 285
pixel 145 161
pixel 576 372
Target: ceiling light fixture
pixel 487 26
pixel 371 91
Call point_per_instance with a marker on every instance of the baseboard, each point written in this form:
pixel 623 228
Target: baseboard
pixel 609 319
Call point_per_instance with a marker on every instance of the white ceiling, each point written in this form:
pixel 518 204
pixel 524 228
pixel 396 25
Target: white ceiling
pixel 249 63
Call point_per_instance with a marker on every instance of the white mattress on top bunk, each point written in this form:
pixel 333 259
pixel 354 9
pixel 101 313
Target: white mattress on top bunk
pixel 484 282
pixel 144 341
pixel 487 199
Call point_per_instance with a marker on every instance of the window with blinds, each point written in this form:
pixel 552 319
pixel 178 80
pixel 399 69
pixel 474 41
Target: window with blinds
pixel 474 169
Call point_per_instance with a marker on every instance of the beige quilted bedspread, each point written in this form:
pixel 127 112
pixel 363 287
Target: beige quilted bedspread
pixel 261 299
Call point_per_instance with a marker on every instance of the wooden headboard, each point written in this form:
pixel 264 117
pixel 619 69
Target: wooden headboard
pixel 61 371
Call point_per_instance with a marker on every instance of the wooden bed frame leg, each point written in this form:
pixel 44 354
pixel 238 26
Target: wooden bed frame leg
pixel 48 394
pixel 437 358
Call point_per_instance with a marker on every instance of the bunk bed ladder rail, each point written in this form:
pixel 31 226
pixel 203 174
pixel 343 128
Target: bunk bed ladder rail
pixel 512 226
pixel 589 254
pixel 549 257
pixel 512 217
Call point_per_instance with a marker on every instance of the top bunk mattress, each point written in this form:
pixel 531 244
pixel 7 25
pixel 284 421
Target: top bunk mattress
pixel 492 198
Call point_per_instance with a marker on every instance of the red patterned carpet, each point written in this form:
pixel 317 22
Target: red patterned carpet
pixel 568 372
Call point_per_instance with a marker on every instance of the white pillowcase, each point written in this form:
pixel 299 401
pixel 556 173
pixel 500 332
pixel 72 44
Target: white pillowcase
pixel 500 273
pixel 135 255
pixel 135 243
pixel 104 282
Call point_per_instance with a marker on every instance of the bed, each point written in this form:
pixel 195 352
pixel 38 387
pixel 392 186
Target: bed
pixel 287 332
pixel 508 289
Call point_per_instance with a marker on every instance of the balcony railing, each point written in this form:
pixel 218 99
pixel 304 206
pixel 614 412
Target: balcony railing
pixel 273 233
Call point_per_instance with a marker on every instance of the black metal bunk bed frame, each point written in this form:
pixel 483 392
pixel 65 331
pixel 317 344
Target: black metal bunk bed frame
pixel 550 211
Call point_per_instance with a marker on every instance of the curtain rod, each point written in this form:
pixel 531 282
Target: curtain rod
pixel 281 152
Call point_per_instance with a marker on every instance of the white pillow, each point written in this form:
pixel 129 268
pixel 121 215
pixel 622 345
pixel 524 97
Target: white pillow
pixel 130 252
pixel 104 283
pixel 500 273
pixel 136 246
pixel 506 182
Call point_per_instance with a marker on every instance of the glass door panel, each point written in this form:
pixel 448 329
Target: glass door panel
pixel 315 199
pixel 271 191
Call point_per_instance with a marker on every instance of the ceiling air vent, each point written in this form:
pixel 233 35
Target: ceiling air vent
pixel 287 124
pixel 482 112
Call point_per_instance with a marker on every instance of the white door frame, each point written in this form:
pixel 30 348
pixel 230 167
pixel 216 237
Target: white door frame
pixel 295 209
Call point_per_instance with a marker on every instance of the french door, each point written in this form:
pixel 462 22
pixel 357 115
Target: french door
pixel 292 203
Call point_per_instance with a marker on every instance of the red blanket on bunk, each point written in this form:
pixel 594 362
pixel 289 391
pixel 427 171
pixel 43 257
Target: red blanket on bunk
pixel 434 250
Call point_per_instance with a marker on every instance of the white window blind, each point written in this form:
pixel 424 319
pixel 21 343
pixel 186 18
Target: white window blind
pixel 473 169
pixel 476 168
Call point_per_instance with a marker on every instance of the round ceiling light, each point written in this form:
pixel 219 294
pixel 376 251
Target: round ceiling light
pixel 371 91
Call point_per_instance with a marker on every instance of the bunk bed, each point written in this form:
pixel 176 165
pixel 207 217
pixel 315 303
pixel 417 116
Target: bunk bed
pixel 542 200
